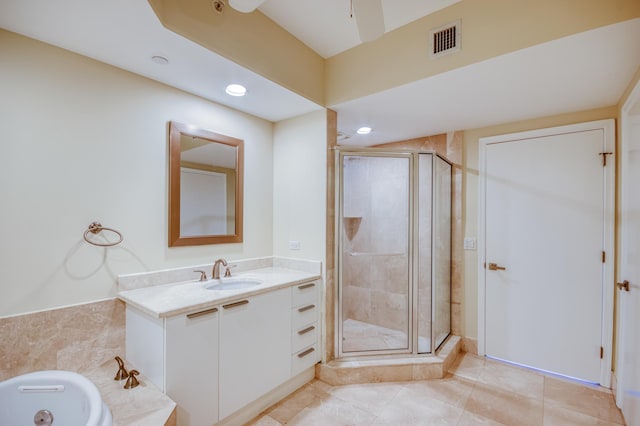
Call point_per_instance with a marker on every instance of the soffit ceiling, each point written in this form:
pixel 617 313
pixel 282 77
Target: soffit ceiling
pixel 327 26
pixel 583 71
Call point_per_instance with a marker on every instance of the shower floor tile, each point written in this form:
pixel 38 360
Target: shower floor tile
pixel 361 336
pixel 477 391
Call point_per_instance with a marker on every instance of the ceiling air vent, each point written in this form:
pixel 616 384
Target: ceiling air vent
pixel 445 40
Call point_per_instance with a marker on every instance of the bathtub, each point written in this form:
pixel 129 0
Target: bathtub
pixel 53 397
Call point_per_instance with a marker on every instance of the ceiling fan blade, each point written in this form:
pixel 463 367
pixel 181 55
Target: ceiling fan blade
pixel 245 6
pixel 369 18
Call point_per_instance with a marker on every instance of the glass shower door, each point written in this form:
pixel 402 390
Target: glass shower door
pixel 424 270
pixel 375 217
pixel 441 251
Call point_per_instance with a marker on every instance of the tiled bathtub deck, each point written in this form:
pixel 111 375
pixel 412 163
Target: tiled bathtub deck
pixel 476 392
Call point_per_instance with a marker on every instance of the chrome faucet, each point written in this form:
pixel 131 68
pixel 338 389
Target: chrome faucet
pixel 215 272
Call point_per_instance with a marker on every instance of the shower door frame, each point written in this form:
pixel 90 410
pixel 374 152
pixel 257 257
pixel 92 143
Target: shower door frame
pixel 412 247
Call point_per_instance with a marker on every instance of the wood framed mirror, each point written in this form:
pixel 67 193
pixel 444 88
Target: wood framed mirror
pixel 205 186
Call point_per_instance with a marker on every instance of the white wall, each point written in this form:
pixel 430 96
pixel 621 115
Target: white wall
pixel 84 141
pixel 300 186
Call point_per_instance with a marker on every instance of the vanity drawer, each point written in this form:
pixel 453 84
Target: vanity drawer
pixel 304 315
pixel 303 337
pixel 305 293
pixel 304 359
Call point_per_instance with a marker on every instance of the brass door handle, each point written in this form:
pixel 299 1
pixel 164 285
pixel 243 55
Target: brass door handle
pixel 495 267
pixel 624 285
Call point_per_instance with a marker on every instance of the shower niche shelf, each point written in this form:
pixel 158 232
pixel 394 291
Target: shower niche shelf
pixel 351 226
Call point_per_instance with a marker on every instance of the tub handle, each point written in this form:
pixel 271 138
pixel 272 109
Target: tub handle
pixel 40 389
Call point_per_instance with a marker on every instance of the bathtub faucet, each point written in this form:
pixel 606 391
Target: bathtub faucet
pixel 215 272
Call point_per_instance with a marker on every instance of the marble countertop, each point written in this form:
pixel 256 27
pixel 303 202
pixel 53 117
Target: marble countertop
pixel 168 300
pixel 143 405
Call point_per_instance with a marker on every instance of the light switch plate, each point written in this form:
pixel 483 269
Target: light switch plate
pixel 294 245
pixel 469 243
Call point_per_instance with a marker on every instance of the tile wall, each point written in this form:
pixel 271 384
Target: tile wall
pixel 76 338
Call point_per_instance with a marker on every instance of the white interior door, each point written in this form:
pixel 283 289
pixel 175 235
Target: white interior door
pixel 547 200
pixel 628 368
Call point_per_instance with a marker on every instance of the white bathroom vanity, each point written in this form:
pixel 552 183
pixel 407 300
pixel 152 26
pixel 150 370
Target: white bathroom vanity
pixel 225 355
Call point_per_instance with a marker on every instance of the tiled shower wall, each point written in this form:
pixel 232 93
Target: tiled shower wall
pixel 76 338
pixel 375 269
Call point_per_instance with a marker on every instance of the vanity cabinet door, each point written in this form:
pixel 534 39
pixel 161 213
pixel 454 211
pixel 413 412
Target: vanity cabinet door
pixel 255 348
pixel 191 375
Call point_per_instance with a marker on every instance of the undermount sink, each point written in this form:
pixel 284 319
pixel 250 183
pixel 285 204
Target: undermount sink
pixel 231 283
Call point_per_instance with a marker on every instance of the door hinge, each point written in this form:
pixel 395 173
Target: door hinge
pixel 604 158
pixel 604 257
pixel 601 352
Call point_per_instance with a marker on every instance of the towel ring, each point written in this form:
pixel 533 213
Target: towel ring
pixel 96 228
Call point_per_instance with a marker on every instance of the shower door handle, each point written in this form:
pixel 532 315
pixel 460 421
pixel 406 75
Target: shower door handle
pixel 496 267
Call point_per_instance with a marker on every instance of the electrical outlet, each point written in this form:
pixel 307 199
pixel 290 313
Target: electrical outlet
pixel 294 245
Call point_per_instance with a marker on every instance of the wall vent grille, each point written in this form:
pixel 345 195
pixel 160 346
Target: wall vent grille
pixel 445 40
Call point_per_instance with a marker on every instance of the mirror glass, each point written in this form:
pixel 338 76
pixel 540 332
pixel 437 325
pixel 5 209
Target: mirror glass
pixel 205 186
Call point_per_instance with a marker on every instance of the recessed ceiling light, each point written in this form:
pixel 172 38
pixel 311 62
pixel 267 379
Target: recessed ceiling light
pixel 236 90
pixel 364 130
pixel 160 60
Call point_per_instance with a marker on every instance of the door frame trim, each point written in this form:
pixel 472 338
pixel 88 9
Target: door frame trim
pixel 608 129
pixel 626 119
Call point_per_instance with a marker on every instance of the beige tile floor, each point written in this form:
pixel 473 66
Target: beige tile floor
pixel 477 391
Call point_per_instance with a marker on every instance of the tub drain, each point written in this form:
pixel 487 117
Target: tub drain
pixel 43 418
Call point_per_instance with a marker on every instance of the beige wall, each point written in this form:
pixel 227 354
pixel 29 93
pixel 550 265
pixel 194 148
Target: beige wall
pixel 489 28
pixel 300 182
pixel 84 141
pixel 470 195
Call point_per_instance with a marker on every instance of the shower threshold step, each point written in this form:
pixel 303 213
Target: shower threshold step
pixel 353 371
